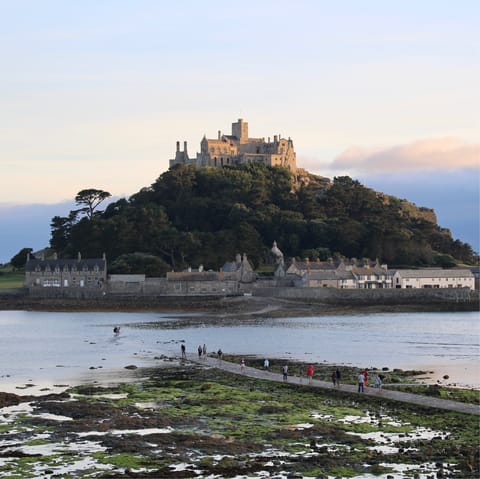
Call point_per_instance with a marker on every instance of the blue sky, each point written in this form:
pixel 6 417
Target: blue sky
pixel 96 93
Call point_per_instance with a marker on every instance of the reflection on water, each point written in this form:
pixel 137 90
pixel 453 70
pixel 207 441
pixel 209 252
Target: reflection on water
pixel 58 345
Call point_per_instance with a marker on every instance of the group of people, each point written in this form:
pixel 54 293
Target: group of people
pixel 363 381
pixel 336 377
pixel 336 374
pixel 202 351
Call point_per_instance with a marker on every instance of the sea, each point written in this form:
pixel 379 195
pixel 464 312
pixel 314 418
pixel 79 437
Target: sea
pixel 42 351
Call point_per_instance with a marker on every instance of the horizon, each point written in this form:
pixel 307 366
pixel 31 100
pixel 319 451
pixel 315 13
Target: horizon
pixel 96 95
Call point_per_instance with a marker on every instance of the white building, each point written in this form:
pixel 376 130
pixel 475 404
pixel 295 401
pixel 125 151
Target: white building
pixel 434 278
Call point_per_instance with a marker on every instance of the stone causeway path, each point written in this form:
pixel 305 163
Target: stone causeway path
pixel 426 401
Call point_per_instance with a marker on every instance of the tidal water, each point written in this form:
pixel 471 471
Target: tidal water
pixel 45 348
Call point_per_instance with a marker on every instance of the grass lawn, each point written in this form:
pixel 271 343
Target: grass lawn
pixel 11 279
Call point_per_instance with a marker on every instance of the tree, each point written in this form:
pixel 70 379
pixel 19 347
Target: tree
pixel 61 227
pixel 19 260
pixel 91 198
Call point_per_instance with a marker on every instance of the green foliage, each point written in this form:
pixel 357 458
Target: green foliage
pixel 19 260
pixel 191 216
pixel 90 199
pixel 136 263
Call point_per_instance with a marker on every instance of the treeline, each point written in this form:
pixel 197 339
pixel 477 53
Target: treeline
pixel 192 216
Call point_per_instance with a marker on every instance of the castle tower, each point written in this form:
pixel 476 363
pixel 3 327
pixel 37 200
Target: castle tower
pixel 240 130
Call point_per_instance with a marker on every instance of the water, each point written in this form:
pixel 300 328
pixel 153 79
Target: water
pixel 44 348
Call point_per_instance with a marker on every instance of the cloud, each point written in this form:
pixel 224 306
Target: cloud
pixel 425 154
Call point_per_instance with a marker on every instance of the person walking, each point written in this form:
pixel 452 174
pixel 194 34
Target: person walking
pixel 310 371
pixel 377 381
pixel 339 376
pixel 219 354
pixel 300 373
pixel 285 372
pixel 365 377
pixel 184 352
pixel 200 350
pixel 334 378
pixel 266 364
pixel 361 380
pixel 242 366
pixel 204 350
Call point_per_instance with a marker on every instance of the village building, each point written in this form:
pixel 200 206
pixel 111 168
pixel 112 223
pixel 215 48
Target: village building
pixel 341 274
pixel 234 278
pixel 239 148
pixel 434 278
pixel 65 273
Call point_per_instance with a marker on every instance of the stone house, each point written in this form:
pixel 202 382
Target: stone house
pixel 341 274
pixel 328 279
pixel 434 278
pixel 66 273
pixel 233 278
pixel 239 148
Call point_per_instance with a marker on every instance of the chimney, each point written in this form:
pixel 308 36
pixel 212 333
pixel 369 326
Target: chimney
pixel 219 135
pixel 178 146
pixel 185 147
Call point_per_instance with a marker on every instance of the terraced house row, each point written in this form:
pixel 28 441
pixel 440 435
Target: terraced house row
pixel 83 277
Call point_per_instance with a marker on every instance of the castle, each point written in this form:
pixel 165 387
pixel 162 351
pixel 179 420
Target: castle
pixel 238 148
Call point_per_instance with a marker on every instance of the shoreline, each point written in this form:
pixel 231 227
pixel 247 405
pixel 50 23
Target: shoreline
pixel 228 305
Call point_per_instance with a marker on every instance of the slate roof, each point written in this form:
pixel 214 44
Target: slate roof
pixel 435 273
pixel 33 264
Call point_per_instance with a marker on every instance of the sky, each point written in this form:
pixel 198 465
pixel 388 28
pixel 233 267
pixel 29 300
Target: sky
pixel 95 94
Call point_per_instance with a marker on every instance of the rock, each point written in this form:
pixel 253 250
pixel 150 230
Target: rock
pixel 9 399
pixel 446 376
pixel 131 366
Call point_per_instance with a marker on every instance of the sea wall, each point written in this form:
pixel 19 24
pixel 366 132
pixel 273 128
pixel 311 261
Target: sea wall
pixel 370 296
pixel 158 293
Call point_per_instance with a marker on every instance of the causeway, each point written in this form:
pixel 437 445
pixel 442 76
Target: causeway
pixel 425 401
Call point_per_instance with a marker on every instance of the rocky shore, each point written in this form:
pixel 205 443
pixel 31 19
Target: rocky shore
pixel 182 420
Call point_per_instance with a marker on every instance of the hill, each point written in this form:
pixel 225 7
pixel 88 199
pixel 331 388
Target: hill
pixel 191 216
